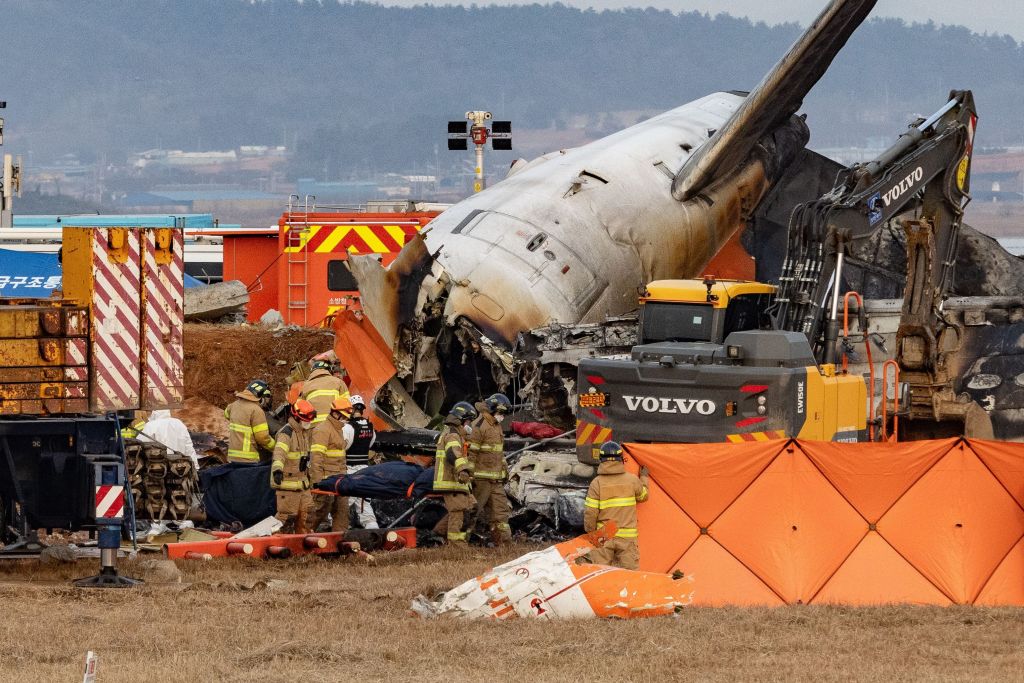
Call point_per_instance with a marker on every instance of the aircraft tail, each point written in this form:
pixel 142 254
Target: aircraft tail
pixel 779 95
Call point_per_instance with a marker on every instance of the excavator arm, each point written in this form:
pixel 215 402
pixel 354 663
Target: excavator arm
pixel 926 175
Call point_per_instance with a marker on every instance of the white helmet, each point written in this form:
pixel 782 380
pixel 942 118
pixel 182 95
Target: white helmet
pixel 356 399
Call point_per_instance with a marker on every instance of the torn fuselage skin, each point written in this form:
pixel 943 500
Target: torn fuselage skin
pixel 567 240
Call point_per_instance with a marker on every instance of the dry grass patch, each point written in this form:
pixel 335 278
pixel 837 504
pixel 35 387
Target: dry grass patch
pixel 234 620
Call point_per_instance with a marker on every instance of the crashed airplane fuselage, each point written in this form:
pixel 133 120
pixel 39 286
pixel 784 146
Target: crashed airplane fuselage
pixel 570 237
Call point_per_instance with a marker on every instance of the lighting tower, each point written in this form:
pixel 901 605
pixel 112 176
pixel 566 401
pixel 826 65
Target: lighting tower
pixel 10 181
pixel 500 135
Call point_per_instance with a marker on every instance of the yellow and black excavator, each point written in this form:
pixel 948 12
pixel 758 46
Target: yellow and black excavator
pixel 741 361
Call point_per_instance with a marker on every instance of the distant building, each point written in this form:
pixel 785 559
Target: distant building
pixel 245 158
pixel 236 205
pixel 998 177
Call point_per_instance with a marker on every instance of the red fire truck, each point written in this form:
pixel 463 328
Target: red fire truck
pixel 314 281
pixel 298 267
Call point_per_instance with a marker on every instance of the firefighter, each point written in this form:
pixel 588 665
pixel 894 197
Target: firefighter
pixel 133 430
pixel 249 439
pixel 331 438
pixel 363 438
pixel 453 473
pixel 322 388
pixel 288 471
pixel 487 453
pixel 613 496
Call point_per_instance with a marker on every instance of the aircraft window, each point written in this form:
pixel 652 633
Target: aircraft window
pixel 536 241
pixel 665 169
pixel 339 277
pixel 470 217
pixel 596 177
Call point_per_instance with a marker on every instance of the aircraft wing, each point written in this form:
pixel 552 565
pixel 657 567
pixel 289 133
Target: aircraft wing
pixel 776 98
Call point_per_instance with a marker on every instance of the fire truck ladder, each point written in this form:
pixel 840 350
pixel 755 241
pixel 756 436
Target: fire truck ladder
pixel 298 260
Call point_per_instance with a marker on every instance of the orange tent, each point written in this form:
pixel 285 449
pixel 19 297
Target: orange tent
pixel 794 522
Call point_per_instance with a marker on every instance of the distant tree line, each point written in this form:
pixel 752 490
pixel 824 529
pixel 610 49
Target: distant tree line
pixel 357 86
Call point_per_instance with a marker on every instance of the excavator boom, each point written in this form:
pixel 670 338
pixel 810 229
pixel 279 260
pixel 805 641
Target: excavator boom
pixel 921 184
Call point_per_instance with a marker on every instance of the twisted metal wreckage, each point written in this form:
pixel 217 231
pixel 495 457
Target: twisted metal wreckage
pixel 510 288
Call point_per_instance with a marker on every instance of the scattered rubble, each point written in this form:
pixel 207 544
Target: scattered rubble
pixel 159 571
pixel 272 319
pixel 55 554
pixel 549 488
pixel 215 301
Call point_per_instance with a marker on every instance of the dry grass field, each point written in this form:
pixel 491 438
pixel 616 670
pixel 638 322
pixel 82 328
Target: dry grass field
pixel 310 619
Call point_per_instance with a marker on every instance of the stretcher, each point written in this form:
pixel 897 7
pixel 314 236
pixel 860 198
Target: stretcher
pixel 281 546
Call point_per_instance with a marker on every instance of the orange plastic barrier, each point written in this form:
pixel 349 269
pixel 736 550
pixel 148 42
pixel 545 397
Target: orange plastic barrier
pixel 791 522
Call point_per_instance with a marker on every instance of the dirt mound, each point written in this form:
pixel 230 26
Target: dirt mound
pixel 221 359
pixel 200 416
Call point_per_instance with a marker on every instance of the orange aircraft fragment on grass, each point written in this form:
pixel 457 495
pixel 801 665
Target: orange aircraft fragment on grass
pixel 548 584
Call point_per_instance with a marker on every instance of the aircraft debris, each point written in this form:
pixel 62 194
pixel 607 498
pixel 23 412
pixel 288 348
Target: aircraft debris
pixel 510 288
pixel 549 584
pixel 525 254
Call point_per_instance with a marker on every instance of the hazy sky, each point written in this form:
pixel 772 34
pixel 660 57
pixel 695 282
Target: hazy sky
pixel 992 16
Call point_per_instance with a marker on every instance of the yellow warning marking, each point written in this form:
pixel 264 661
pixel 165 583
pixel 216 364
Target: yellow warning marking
pixel 304 237
pixel 372 241
pixel 331 241
pixel 397 233
pixel 581 435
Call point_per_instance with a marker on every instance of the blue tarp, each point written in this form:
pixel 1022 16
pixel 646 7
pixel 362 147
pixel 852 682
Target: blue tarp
pixel 27 275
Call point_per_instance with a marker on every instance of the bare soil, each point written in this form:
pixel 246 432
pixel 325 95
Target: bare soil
pixel 222 359
pixel 339 620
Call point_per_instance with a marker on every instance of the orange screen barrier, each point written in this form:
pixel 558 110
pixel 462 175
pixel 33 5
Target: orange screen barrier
pixel 794 522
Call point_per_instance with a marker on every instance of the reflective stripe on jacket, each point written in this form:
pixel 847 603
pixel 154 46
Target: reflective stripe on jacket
pixel 247 427
pixel 292 445
pixel 450 461
pixel 486 445
pixel 613 496
pixel 327 452
pixel 321 389
pixel 133 430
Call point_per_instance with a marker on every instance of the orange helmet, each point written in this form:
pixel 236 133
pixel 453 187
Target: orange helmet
pixel 342 405
pixel 303 411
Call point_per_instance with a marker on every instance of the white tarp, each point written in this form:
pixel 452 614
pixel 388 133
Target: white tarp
pixel 170 432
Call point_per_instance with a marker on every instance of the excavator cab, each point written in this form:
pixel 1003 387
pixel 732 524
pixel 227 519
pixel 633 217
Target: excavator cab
pixel 705 310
